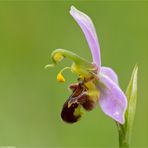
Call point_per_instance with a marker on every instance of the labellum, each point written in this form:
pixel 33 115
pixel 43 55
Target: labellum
pixel 81 97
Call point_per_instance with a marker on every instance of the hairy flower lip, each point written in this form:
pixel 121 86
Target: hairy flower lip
pixel 80 98
pixel 67 113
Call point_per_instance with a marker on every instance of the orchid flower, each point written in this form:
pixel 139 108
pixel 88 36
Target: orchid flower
pixel 97 85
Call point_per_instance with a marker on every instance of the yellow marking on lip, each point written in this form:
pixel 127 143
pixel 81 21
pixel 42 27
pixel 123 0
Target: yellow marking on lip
pixel 77 111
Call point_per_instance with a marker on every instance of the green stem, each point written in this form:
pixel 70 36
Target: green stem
pixel 124 141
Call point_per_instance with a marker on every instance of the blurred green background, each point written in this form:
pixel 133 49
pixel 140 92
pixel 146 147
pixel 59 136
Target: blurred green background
pixel 30 97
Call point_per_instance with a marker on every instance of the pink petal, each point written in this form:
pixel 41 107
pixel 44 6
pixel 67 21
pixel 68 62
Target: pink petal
pixel 110 73
pixel 90 33
pixel 112 99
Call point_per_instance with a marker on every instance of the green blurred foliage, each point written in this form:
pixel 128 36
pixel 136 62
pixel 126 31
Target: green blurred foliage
pixel 30 97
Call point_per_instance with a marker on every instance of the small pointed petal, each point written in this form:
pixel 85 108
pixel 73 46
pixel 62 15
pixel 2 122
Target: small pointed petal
pixel 112 100
pixel 89 31
pixel 110 73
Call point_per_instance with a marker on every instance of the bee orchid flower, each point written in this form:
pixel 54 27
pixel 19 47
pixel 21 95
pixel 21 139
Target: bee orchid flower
pixel 96 85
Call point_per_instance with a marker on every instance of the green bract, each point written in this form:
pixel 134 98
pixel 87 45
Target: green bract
pixel 125 130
